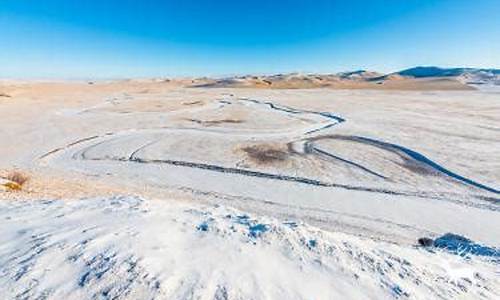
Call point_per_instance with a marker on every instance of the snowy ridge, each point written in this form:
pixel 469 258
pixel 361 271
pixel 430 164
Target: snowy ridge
pixel 129 248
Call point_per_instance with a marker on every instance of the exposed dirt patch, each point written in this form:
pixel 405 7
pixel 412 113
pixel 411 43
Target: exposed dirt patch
pixel 5 95
pixel 216 122
pixel 52 186
pixel 17 177
pixel 416 167
pixel 15 180
pixel 145 91
pixel 266 154
pixel 192 103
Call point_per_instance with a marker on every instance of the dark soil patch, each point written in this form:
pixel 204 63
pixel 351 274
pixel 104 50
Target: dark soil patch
pixel 216 122
pixel 17 177
pixel 192 103
pixel 265 154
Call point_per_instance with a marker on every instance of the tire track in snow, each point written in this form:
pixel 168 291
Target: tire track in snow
pixel 288 178
pixel 336 119
pixel 415 156
pixel 421 159
pixel 351 163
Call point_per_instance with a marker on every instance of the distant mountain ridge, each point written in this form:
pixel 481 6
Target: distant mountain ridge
pixel 421 77
pixel 432 71
pixel 465 75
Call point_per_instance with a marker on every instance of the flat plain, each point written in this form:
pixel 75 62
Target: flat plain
pixel 150 189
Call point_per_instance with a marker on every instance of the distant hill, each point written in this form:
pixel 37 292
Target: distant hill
pixel 418 78
pixel 465 75
pixel 359 75
pixel 419 72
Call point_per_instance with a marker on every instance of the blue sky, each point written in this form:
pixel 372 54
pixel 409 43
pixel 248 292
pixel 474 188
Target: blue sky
pixel 125 38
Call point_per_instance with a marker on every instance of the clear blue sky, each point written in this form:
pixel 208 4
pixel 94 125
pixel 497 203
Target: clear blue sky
pixel 125 38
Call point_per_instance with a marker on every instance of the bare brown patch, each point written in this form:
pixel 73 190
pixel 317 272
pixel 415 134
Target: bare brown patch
pixel 192 103
pixel 17 177
pixel 265 154
pixel 416 167
pixel 145 91
pixel 54 186
pixel 14 180
pixel 5 95
pixel 216 122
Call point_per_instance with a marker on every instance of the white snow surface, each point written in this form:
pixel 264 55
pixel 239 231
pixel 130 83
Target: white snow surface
pixel 125 247
pixel 362 176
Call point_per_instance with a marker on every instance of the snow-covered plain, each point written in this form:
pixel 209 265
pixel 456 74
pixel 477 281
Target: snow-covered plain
pixel 143 190
pixel 126 247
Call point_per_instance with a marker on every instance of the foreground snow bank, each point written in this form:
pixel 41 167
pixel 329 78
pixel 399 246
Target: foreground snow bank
pixel 129 248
